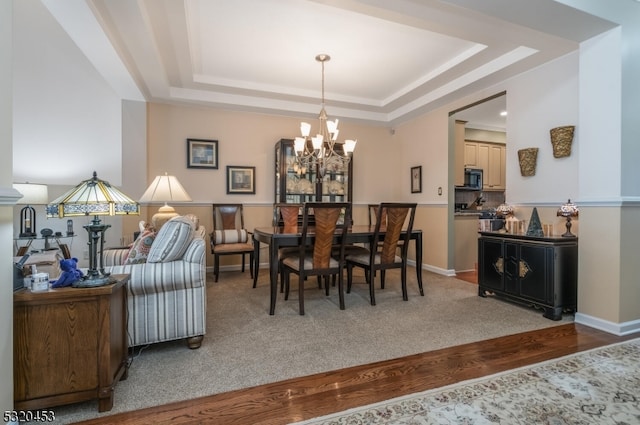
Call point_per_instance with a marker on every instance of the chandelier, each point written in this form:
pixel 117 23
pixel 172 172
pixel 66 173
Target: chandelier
pixel 322 149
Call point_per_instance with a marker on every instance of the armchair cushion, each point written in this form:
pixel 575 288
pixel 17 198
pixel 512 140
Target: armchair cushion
pixel 230 236
pixel 140 249
pixel 172 240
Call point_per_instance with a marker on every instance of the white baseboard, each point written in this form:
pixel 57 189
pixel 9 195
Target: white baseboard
pixel 438 270
pixel 434 269
pixel 235 267
pixel 619 329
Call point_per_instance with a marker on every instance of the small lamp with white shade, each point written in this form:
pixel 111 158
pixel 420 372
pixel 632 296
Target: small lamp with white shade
pixel 165 189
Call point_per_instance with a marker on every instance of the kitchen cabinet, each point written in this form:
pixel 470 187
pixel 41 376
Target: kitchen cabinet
pixel 296 185
pixel 491 159
pixel 459 158
pixel 537 271
pixel 471 155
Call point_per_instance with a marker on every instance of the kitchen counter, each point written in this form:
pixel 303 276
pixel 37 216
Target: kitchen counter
pixel 475 213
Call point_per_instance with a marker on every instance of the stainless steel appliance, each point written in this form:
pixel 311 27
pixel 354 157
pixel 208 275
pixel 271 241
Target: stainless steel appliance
pixel 473 178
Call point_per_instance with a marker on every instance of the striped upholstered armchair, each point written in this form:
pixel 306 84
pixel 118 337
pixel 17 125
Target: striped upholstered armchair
pixel 167 296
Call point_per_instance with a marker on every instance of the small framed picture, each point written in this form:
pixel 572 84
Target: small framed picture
pixel 241 180
pixel 202 153
pixel 416 179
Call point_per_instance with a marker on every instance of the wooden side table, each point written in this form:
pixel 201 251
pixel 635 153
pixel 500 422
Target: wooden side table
pixel 70 345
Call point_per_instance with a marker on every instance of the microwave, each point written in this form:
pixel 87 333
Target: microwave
pixel 473 178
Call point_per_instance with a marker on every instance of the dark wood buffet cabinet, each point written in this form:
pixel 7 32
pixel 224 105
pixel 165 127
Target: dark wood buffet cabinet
pixel 69 345
pixel 537 271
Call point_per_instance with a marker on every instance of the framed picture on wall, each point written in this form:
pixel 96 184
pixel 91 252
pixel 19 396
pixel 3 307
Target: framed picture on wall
pixel 241 180
pixel 202 153
pixel 416 179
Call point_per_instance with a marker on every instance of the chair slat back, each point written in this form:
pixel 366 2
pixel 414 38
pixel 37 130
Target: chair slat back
pixel 328 224
pixel 288 215
pixel 396 216
pixel 373 214
pixel 229 216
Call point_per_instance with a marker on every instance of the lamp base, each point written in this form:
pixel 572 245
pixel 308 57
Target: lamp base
pixel 568 233
pixel 164 214
pixel 93 281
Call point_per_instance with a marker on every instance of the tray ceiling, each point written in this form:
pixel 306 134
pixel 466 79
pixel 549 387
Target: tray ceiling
pixel 390 60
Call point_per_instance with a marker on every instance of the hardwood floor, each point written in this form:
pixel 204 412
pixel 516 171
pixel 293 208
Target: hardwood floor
pixel 471 277
pixel 307 397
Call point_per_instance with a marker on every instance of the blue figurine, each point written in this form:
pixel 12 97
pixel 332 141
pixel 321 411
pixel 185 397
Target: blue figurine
pixel 70 273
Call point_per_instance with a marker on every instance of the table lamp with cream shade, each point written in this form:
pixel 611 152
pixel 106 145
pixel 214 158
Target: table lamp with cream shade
pixel 165 189
pixel 32 194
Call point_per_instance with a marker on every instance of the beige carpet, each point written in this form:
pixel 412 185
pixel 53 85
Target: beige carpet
pixel 244 346
pixel 598 386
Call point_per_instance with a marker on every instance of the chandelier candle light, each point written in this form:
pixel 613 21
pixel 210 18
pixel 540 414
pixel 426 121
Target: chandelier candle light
pixel 322 149
pixel 93 197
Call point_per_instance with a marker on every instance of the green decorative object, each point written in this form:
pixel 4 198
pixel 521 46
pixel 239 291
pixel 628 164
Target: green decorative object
pixel 535 228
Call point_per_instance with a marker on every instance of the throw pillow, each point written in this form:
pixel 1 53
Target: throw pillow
pixel 172 240
pixel 230 236
pixel 141 247
pixel 195 219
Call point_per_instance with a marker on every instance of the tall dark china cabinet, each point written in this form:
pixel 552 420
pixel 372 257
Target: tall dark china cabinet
pixel 294 185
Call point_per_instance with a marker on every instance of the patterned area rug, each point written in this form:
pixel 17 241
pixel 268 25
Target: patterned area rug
pixel 600 386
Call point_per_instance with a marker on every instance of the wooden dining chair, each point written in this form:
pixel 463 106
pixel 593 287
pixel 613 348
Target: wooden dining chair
pixel 373 214
pixel 386 256
pixel 331 220
pixel 287 216
pixel 229 237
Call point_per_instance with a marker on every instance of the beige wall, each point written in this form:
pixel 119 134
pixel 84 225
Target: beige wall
pixel 381 167
pixel 249 139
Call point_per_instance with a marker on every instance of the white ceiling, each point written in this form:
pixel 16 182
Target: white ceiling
pixel 390 60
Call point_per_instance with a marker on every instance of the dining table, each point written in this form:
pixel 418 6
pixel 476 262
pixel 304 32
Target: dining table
pixel 277 237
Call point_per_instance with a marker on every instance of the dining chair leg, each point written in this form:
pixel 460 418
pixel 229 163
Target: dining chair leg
pixel 341 291
pixel 403 274
pixel 372 287
pixel 382 275
pixel 349 277
pixel 281 277
pixel 301 294
pixel 243 263
pixel 216 267
pixel 284 281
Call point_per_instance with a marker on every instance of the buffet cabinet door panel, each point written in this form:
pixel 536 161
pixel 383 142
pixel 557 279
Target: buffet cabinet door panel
pixel 491 264
pixel 533 267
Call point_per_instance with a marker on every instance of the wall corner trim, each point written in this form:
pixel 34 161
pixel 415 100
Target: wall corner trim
pixel 619 329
